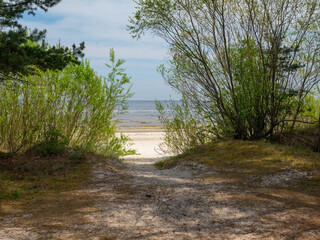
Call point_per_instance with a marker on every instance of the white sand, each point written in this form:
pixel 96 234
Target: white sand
pixel 147 145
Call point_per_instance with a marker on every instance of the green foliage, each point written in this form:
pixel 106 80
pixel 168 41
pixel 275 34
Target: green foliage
pixel 73 107
pixel 184 126
pixel 241 65
pixel 53 145
pixel 21 52
pixel 311 106
pixel 12 10
pixel 159 164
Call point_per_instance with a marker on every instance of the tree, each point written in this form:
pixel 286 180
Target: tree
pixel 21 51
pixel 248 64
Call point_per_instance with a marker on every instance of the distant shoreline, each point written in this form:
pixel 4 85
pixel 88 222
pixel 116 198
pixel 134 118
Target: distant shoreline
pixel 136 129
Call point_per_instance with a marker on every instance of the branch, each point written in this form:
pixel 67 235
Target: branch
pixel 300 121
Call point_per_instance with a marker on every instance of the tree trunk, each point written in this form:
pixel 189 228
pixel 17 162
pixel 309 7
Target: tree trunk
pixel 316 147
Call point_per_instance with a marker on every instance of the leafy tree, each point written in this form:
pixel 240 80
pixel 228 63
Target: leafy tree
pixel 247 64
pixel 21 51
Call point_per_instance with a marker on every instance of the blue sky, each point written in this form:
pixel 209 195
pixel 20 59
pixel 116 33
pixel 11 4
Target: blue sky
pixel 102 25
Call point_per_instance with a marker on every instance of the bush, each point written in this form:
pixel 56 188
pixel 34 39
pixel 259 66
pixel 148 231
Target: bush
pixel 53 145
pixel 73 108
pixel 185 126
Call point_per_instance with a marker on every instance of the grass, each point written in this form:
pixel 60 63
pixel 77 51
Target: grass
pixel 160 164
pixel 251 158
pixel 29 174
pixel 302 137
pixel 249 155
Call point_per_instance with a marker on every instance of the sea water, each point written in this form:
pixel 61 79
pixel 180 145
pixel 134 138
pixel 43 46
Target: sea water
pixel 139 113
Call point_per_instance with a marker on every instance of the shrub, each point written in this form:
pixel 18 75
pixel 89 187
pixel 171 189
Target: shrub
pixel 185 126
pixel 73 108
pixel 54 144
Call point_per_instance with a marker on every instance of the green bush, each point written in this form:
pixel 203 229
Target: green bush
pixel 185 127
pixel 73 108
pixel 54 145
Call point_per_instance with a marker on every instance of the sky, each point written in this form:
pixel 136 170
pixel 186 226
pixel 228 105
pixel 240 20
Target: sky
pixel 101 24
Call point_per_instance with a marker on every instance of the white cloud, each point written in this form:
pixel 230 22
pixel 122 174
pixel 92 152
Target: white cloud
pixel 96 19
pixel 102 25
pixel 125 52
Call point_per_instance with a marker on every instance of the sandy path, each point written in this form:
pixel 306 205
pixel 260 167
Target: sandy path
pixel 134 200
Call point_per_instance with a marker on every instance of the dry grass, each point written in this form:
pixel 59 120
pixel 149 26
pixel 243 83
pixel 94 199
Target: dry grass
pixel 29 174
pixel 251 155
pixel 249 158
pixel 302 137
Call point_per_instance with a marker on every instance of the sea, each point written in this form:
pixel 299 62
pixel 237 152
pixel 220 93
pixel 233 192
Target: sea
pixel 139 113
